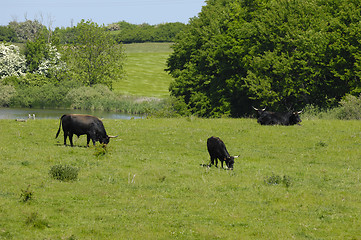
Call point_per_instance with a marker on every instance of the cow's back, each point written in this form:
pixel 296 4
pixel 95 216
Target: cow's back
pixel 81 124
pixel 216 147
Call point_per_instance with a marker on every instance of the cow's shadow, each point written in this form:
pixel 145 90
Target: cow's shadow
pixel 74 146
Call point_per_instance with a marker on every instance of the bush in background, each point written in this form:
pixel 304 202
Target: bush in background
pixel 350 108
pixel 6 93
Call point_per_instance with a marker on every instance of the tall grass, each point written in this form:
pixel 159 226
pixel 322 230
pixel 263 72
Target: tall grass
pixel 295 182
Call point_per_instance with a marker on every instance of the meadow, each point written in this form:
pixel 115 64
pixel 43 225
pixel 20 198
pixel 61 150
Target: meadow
pixel 144 70
pixel 296 182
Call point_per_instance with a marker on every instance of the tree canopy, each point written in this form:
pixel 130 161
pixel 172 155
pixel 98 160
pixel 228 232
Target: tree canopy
pixel 281 54
pixel 95 57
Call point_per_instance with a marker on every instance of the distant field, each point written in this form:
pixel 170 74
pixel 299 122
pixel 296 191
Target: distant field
pixel 296 182
pixel 144 67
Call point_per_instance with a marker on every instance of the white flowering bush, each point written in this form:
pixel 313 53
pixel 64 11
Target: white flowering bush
pixel 12 63
pixel 51 62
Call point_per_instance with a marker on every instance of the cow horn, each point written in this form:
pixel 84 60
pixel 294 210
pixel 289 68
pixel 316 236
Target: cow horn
pixel 112 136
pixel 299 112
pixel 264 109
pixel 236 156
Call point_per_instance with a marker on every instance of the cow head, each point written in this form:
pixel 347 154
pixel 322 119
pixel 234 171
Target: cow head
pixel 105 140
pixel 259 111
pixel 230 161
pixel 295 118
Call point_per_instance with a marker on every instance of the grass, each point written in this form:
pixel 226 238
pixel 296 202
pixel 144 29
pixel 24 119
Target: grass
pixel 150 183
pixel 144 67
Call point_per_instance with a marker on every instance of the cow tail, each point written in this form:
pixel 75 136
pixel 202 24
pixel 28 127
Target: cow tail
pixel 61 119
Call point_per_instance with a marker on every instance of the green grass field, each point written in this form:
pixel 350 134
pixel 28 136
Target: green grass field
pixel 297 182
pixel 144 68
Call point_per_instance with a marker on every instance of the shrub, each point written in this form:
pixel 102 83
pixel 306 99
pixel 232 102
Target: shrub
pixel 350 108
pixel 6 93
pixel 64 172
pixel 26 195
pixel 34 220
pixel 91 97
pixel 100 150
pixel 277 180
pixel 12 63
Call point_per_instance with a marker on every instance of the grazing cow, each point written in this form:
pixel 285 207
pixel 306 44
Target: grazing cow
pixel 277 118
pixel 83 124
pixel 217 150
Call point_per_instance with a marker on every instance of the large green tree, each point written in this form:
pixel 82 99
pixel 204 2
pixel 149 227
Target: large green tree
pixel 95 57
pixel 275 53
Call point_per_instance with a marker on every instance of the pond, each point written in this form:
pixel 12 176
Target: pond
pixel 23 113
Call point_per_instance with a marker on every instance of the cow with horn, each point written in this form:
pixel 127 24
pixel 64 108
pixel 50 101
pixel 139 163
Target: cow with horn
pixel 79 124
pixel 278 118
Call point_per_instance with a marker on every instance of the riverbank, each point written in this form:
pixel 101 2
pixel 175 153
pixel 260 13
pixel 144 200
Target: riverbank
pixel 30 113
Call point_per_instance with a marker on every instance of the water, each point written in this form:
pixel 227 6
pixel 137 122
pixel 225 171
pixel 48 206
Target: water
pixel 23 113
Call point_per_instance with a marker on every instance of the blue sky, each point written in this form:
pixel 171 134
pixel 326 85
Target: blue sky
pixel 64 13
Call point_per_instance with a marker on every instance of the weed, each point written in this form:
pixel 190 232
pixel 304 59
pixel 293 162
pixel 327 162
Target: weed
pixel 277 180
pixel 64 172
pixel 26 195
pixel 321 144
pixel 35 221
pixel 100 150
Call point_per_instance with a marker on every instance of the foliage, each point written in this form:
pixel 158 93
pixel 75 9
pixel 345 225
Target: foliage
pixel 12 63
pixel 64 172
pixel 43 58
pixel 279 54
pixel 96 97
pixel 171 107
pixel 130 33
pixel 36 221
pixel 26 195
pixel 7 34
pixel 277 180
pixel 34 90
pixel 95 58
pixel 6 93
pixel 100 150
pixel 28 30
pixel 350 108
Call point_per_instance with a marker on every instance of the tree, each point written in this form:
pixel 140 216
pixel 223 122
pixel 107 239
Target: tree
pixel 7 34
pixel 95 58
pixel 42 56
pixel 279 54
pixel 27 30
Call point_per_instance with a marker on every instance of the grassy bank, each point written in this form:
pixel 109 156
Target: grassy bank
pixel 299 182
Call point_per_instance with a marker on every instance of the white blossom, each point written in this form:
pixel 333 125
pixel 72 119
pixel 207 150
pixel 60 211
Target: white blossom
pixel 52 62
pixel 12 63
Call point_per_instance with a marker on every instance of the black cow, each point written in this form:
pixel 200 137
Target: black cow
pixel 217 150
pixel 277 118
pixel 83 124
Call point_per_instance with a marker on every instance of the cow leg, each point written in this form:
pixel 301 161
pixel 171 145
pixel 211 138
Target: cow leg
pixel 92 137
pixel 71 139
pixel 212 162
pixel 87 140
pixel 65 136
